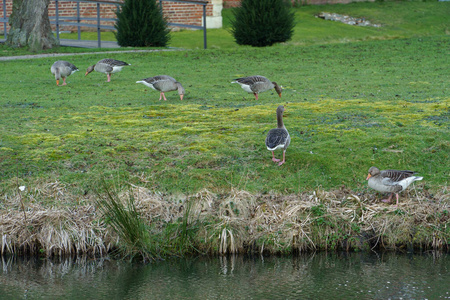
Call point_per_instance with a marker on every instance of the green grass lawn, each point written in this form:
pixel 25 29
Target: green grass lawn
pixel 381 98
pixel 397 20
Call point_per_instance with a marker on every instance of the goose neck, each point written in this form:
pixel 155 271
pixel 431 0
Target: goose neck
pixel 280 119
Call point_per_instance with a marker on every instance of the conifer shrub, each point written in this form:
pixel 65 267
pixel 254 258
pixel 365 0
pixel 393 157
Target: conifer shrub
pixel 140 24
pixel 262 23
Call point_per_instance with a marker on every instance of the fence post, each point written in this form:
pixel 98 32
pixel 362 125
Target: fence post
pixel 98 26
pixel 204 25
pixel 78 21
pixel 57 19
pixel 5 23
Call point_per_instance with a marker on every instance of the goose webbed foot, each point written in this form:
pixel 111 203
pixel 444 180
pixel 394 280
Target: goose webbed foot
pixel 273 158
pixel 388 200
pixel 284 158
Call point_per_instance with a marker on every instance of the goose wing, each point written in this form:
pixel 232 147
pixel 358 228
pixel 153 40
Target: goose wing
pixel 69 66
pixel 394 176
pixel 113 62
pixel 251 80
pixel 162 83
pixel 277 137
pixel 64 68
pixel 103 67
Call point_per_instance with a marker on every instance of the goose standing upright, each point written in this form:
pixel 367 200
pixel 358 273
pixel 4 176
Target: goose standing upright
pixel 107 66
pixel 62 69
pixel 278 138
pixel 257 84
pixel 390 181
pixel 163 83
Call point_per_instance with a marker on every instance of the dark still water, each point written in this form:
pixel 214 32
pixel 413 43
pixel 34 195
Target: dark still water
pixel 315 276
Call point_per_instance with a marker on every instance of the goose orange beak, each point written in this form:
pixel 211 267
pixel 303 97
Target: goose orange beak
pixel 57 81
pixel 181 97
pixel 368 176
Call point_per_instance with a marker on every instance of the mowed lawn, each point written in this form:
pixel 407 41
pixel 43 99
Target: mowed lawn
pixel 349 106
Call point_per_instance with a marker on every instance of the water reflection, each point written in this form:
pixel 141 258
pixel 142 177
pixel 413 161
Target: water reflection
pixel 315 276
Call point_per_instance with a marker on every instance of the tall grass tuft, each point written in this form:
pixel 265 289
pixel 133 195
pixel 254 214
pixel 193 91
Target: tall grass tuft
pixel 139 237
pixel 127 223
pixel 181 235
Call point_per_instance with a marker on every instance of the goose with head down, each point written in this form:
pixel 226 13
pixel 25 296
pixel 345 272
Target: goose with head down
pixel 390 181
pixel 163 83
pixel 278 138
pixel 107 66
pixel 257 84
pixel 62 69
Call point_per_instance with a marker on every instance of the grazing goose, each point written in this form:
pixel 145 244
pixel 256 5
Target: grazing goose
pixel 107 66
pixel 257 84
pixel 278 138
pixel 62 69
pixel 163 83
pixel 390 181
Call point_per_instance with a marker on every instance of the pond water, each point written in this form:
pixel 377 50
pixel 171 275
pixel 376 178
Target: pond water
pixel 313 276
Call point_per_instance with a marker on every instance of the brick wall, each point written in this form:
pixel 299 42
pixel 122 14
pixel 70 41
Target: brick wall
pixel 87 10
pixel 8 12
pixel 231 3
pixel 175 12
pixel 185 13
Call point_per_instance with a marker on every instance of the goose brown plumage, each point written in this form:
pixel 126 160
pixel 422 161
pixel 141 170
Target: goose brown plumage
pixel 62 69
pixel 257 84
pixel 107 66
pixel 278 138
pixel 390 181
pixel 163 83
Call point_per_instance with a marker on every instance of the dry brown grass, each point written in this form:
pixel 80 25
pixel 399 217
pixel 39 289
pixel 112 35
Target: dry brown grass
pixel 53 229
pixel 54 232
pixel 232 222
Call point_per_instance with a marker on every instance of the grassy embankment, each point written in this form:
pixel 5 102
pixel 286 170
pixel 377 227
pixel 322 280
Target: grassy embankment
pixel 348 106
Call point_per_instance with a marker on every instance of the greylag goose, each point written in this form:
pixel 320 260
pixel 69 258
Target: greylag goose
pixel 163 83
pixel 278 138
pixel 107 66
pixel 390 181
pixel 257 84
pixel 62 69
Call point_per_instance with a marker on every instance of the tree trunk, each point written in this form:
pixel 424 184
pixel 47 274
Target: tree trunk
pixel 30 25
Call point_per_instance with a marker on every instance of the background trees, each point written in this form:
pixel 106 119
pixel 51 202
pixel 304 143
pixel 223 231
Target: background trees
pixel 262 22
pixel 30 25
pixel 141 24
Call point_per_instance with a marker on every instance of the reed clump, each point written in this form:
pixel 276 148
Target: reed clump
pixel 139 222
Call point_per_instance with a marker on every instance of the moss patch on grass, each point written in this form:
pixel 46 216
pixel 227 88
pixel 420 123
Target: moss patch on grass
pixel 345 110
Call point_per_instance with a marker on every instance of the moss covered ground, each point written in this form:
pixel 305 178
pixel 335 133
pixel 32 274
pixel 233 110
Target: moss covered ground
pixel 348 107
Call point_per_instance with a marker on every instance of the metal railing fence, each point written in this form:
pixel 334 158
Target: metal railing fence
pixel 98 22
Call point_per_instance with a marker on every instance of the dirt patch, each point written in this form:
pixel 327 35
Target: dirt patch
pixel 346 19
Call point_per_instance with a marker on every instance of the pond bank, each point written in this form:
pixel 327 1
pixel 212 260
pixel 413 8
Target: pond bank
pixel 232 222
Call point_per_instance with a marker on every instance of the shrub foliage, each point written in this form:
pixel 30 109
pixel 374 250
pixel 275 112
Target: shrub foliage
pixel 262 23
pixel 141 24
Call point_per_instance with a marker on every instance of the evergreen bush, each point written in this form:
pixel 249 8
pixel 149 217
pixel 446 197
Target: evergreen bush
pixel 141 24
pixel 262 23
